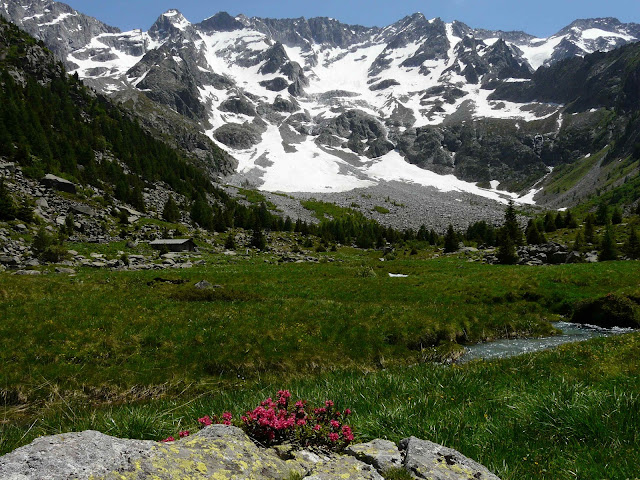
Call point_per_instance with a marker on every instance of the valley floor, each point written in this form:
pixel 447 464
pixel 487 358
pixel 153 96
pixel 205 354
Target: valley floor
pixel 143 354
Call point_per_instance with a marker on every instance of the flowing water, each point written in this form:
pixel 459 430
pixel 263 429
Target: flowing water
pixel 571 332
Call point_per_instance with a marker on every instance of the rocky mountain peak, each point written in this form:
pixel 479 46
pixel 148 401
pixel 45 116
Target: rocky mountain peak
pixel 170 24
pixel 220 22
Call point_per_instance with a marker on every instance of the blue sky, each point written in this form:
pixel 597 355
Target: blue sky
pixel 541 17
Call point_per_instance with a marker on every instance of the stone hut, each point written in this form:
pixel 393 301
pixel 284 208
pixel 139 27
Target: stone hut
pixel 175 244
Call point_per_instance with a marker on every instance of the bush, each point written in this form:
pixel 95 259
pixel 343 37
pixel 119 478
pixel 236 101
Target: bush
pixel 41 241
pixel 282 421
pixel 609 311
pixel 366 272
pixel 230 242
pixel 54 254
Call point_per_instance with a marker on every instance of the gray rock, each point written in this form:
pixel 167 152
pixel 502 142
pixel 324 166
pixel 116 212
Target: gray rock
pixel 237 136
pixel 574 257
pixel 57 183
pixel 28 272
pixel 84 210
pixel 591 257
pixel 9 260
pixel 72 455
pixel 345 468
pixel 382 454
pixel 203 285
pixel 424 459
pixel 69 271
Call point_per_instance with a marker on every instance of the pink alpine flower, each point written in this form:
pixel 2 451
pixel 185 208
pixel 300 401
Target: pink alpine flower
pixel 184 433
pixel 317 428
pixel 205 421
pixel 168 439
pixel 334 437
pixel 226 418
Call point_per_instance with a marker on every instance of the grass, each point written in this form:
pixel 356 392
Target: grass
pixel 567 176
pixel 381 210
pixel 118 352
pixel 572 412
pixel 254 197
pixel 324 210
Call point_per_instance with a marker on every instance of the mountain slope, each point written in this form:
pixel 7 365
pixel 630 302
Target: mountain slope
pixel 317 105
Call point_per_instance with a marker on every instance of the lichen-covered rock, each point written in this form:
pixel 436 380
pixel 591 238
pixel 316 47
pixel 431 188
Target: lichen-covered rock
pixel 382 454
pixel 72 456
pixel 223 452
pixel 428 460
pixel 220 452
pixel 344 468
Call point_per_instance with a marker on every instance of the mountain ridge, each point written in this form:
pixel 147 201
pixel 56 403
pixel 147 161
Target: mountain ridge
pixel 348 105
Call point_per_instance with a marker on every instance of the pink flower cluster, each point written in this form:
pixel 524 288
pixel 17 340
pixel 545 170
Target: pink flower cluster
pixel 277 421
pixel 273 422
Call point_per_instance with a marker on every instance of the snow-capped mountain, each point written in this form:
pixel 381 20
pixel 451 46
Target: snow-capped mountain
pixel 317 105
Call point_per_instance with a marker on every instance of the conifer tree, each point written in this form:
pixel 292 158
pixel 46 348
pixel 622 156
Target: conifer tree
pixel 507 254
pixel 570 220
pixel 603 216
pixel 171 212
pixel 550 222
pixel 589 229
pixel 450 240
pixel 534 236
pixel 258 239
pixel 616 215
pixel 230 242
pixel 608 249
pixel 511 225
pixel 578 243
pixel 7 205
pixel 632 246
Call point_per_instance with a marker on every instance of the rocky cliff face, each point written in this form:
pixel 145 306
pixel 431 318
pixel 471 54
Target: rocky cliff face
pixel 430 92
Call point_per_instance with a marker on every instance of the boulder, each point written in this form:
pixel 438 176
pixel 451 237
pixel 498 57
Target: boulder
pixel 57 183
pixel 84 210
pixel 424 459
pixel 574 257
pixel 225 453
pixel 382 454
pixel 559 257
pixel 345 468
pixel 72 455
pixel 28 272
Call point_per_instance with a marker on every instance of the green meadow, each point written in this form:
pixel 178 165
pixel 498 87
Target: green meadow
pixel 134 355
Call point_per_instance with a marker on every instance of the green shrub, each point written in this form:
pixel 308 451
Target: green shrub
pixel 609 311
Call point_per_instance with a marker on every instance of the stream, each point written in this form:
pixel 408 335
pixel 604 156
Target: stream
pixel 571 332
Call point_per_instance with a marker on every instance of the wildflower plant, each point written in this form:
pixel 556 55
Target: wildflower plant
pixel 279 421
pixel 283 421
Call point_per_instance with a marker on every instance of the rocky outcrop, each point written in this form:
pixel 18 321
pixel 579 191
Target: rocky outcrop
pixel 225 452
pixel 363 133
pixel 237 136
